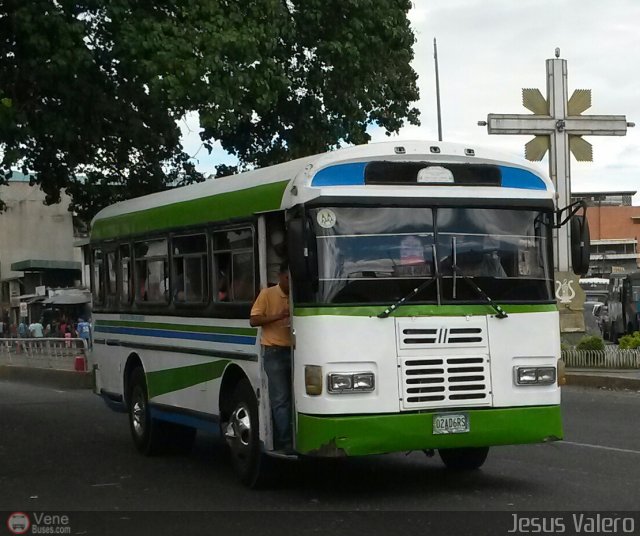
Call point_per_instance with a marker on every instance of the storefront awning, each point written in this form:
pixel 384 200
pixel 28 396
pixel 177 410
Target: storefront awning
pixel 38 265
pixel 68 299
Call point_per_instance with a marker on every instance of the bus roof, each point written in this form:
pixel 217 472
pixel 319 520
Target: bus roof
pixel 336 173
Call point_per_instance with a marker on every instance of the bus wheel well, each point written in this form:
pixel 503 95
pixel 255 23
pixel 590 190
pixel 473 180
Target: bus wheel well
pixel 232 375
pixel 133 362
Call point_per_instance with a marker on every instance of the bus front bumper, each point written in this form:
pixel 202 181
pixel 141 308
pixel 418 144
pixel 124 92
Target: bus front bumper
pixel 377 434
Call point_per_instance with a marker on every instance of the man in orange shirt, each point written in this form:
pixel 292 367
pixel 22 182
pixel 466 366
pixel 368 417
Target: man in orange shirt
pixel 271 312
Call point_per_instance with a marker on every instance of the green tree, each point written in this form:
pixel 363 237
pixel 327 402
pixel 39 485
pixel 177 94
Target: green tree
pixel 91 91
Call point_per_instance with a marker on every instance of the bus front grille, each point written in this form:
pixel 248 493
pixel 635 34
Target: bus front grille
pixel 438 381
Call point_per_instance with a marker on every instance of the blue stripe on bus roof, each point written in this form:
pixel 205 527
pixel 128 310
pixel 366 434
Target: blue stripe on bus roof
pixel 353 175
pixel 341 175
pixel 521 178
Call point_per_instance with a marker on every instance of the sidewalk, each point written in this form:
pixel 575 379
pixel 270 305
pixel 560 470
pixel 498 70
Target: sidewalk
pixel 53 361
pixel 604 378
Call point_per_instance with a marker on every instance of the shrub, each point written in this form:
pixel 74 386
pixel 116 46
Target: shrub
pixel 590 343
pixel 629 342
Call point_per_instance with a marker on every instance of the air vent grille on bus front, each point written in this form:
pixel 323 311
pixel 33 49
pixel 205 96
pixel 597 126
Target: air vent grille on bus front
pixel 425 337
pixel 445 381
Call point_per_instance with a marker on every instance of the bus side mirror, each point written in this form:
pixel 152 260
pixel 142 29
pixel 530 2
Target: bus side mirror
pixel 580 244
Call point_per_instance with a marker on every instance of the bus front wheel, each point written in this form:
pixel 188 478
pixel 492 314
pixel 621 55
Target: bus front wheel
pixel 242 433
pixel 464 459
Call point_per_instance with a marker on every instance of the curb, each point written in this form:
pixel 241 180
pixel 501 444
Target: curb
pixel 606 382
pixel 66 379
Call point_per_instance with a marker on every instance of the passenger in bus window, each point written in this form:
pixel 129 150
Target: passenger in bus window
pixel 275 254
pixel 483 258
pixel 271 312
pixel 223 287
pixel 179 285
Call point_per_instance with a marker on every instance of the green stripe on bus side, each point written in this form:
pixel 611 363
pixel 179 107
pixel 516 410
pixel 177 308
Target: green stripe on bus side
pixel 161 382
pixel 379 434
pixel 193 212
pixel 423 310
pixel 179 327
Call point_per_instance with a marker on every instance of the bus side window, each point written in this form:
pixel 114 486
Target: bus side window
pixel 98 276
pixel 190 269
pixel 152 275
pixel 234 265
pixel 125 274
pixel 112 269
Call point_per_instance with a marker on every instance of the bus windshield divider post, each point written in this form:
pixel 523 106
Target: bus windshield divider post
pixel 455 263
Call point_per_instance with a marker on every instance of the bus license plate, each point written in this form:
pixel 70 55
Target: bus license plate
pixel 451 423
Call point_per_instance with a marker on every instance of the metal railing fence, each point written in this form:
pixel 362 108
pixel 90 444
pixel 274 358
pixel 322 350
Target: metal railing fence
pixel 611 357
pixel 44 353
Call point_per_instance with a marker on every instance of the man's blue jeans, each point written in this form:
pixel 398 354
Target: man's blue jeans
pixel 277 365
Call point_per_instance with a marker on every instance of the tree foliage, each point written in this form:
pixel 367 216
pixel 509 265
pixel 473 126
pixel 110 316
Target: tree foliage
pixel 91 91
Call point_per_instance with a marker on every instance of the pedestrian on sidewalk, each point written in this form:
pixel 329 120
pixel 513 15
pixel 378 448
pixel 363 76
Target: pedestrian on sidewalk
pixel 84 331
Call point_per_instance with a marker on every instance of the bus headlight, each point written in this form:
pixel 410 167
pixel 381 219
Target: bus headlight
pixel 313 380
pixel 340 382
pixel 535 375
pixel 546 375
pixel 357 382
pixel 364 382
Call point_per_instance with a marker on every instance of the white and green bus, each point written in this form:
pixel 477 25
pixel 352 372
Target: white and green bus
pixel 422 305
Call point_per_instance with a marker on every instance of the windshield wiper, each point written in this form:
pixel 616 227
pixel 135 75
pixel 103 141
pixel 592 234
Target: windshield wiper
pixel 500 312
pixel 419 288
pixel 390 309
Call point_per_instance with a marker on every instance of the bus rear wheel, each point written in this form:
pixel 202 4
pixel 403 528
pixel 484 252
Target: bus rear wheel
pixel 242 433
pixel 151 436
pixel 145 432
pixel 464 459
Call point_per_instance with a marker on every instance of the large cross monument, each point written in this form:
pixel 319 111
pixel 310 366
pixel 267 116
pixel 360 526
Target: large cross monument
pixel 558 127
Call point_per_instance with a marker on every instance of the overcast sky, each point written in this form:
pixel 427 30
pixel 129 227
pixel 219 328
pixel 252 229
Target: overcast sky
pixel 488 50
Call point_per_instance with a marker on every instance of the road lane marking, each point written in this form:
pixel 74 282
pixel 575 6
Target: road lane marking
pixel 588 445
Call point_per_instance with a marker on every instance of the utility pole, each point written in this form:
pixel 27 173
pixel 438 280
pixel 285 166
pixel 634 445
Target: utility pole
pixel 435 57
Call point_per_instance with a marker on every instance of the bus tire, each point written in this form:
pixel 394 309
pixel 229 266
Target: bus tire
pixel 242 434
pixel 464 459
pixel 149 435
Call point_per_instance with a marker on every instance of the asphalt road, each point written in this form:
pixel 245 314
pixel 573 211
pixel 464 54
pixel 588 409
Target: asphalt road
pixel 66 451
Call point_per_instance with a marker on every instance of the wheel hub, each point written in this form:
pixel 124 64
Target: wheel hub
pixel 238 430
pixel 138 413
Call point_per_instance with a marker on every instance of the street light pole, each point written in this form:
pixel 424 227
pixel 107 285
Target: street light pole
pixel 435 57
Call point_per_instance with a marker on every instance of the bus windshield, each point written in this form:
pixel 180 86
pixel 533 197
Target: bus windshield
pixel 378 255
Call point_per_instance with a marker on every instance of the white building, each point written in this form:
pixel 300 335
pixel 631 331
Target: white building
pixel 36 247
